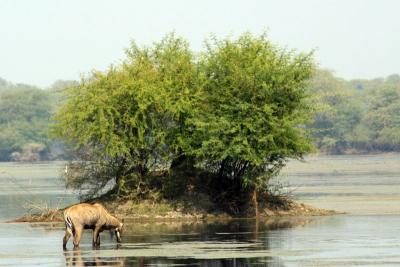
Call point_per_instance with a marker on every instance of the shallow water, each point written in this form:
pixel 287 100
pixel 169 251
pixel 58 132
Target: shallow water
pixel 362 185
pixel 324 241
pixel 367 187
pixel 24 185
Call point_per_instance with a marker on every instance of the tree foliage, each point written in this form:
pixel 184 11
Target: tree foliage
pixel 127 122
pixel 250 118
pixel 25 114
pixel 233 114
pixel 355 116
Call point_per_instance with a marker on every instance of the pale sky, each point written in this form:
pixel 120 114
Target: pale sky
pixel 45 40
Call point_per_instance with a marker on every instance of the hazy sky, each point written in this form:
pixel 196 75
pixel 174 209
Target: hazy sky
pixel 45 40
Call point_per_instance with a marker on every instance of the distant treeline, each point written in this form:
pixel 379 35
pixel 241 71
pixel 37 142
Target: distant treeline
pixel 351 116
pixel 25 116
pixel 356 116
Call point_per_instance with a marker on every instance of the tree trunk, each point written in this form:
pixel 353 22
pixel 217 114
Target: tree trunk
pixel 255 203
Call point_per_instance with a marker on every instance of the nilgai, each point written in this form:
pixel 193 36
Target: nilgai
pixel 89 216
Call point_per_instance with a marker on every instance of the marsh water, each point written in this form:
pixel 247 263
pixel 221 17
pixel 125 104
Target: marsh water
pixel 367 188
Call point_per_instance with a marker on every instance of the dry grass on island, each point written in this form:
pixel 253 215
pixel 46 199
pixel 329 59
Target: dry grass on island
pixel 179 210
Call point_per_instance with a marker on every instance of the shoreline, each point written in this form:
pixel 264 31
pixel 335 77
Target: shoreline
pixel 294 209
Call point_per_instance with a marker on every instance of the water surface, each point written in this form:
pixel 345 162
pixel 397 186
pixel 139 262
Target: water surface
pixel 366 187
pixel 25 185
pixel 362 185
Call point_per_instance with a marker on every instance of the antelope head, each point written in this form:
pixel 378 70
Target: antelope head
pixel 118 232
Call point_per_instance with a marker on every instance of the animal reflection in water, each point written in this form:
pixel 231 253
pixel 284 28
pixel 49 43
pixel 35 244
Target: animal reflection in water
pixel 75 258
pixel 89 216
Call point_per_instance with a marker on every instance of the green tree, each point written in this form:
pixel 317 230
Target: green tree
pixel 339 107
pixel 327 94
pixel 24 103
pixel 229 119
pixel 126 123
pixel 252 114
pixel 382 117
pixel 355 116
pixel 24 116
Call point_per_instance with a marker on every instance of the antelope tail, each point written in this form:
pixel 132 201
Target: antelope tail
pixel 69 224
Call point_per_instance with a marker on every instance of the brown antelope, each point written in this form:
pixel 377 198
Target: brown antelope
pixel 89 216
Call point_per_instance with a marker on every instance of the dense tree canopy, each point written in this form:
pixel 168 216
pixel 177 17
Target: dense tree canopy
pixel 249 119
pixel 128 121
pixel 233 114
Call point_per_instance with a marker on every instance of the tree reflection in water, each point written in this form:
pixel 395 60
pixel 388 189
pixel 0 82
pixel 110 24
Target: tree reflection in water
pixel 231 243
pixel 74 258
